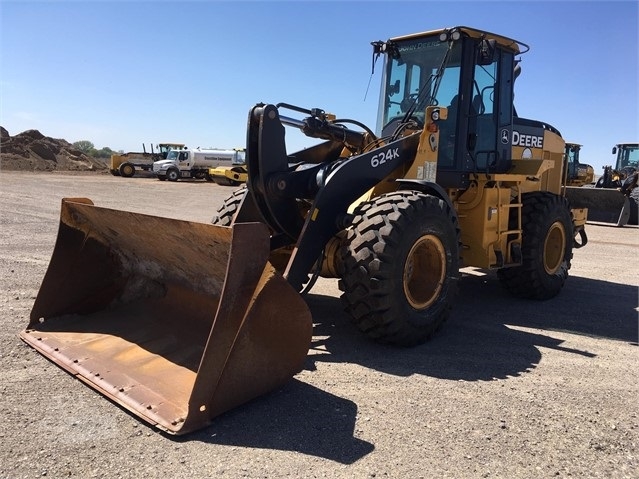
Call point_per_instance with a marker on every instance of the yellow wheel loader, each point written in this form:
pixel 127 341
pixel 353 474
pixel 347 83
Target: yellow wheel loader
pixel 578 174
pixel 615 196
pixel 450 178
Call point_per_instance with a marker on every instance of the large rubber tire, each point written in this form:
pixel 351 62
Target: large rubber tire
pixel 547 243
pixel 226 212
pixel 127 170
pixel 401 267
pixel 173 174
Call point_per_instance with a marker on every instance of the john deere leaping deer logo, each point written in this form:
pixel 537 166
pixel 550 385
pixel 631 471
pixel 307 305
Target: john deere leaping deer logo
pixel 505 136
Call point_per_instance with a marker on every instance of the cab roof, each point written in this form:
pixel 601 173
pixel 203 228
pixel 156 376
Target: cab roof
pixel 514 45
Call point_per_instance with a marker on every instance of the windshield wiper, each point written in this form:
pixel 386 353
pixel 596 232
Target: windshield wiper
pixel 425 97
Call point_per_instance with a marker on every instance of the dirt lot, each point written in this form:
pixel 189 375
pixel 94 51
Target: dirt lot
pixel 508 388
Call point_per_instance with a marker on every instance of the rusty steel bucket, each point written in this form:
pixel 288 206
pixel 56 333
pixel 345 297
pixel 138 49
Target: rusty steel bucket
pixel 175 321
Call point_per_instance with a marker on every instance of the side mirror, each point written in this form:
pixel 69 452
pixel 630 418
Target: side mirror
pixel 614 150
pixel 486 52
pixel 516 71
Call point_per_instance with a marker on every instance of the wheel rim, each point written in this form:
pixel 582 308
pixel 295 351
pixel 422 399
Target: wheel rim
pixel 128 170
pixel 554 247
pixel 424 271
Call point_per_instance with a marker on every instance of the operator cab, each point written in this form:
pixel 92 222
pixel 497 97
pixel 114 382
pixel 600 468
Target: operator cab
pixel 470 72
pixel 627 156
pixel 165 148
pixel 572 157
pixel 240 156
pixel 179 155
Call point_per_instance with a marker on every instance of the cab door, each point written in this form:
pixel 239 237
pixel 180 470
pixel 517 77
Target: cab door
pixel 185 163
pixel 491 112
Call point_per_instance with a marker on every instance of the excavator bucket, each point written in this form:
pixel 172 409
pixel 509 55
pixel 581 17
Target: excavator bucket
pixel 605 205
pixel 175 321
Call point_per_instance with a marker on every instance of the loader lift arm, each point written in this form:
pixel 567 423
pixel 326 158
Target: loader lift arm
pixel 331 184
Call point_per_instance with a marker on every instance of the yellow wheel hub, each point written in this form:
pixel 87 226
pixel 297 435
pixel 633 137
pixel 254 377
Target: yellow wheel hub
pixel 554 248
pixel 424 271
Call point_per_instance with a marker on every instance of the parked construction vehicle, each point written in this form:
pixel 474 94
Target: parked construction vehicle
pixel 233 175
pixel 578 174
pixel 615 196
pixel 229 175
pixel 195 163
pixel 626 165
pixel 127 164
pixel 180 321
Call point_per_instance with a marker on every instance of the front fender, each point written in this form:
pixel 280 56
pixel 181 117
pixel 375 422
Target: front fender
pixel 427 187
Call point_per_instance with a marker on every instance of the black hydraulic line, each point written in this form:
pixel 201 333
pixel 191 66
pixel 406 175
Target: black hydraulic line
pixel 358 123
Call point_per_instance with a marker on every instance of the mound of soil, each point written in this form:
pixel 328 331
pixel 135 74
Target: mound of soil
pixel 32 151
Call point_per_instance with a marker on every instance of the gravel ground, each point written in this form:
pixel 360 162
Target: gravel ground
pixel 507 389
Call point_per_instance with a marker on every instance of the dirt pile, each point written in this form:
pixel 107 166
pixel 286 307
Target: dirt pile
pixel 32 151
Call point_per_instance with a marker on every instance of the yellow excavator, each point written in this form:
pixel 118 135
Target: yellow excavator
pixel 451 177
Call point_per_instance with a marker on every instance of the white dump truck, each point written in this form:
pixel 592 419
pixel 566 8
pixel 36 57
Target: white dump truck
pixel 186 163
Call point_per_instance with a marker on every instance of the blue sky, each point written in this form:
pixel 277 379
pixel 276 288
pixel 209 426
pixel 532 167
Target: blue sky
pixel 123 73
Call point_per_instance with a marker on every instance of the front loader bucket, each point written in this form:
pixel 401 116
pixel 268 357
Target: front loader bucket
pixel 605 205
pixel 176 321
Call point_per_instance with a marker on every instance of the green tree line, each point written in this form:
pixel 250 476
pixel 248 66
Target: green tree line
pixel 89 149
